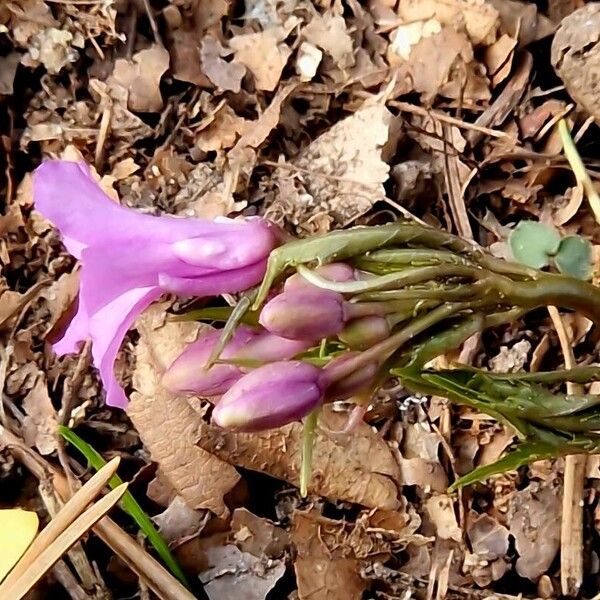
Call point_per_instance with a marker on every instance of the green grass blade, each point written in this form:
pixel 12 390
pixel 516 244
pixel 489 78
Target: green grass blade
pixel 128 503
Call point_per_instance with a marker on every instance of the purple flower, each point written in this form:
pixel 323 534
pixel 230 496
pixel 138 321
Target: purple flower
pixel 270 396
pixel 304 315
pixel 128 259
pixel 188 375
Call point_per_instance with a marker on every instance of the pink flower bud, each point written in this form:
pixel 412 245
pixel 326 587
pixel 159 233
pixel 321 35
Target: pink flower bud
pixel 188 375
pixel 337 272
pixel 304 315
pixel 365 332
pixel 271 396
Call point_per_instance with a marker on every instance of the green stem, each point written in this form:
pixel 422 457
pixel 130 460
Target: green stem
pixel 379 352
pixel 128 503
pixel 308 443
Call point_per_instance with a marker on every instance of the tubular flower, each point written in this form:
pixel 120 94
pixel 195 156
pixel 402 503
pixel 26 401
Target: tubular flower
pixel 187 372
pixel 271 396
pixel 129 259
pixel 304 315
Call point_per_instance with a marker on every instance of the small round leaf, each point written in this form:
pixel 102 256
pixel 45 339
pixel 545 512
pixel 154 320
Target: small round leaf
pixel 574 257
pixel 533 243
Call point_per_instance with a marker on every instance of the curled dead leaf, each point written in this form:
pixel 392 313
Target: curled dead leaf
pixel 168 425
pixel 141 78
pixel 358 467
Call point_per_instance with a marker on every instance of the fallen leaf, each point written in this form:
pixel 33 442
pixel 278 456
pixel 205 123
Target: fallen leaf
pixel 264 54
pixel 534 520
pixel 479 17
pixel 222 131
pixel 329 33
pixel 40 423
pixel 574 199
pixel 523 21
pixel 258 536
pixel 141 78
pixel 187 24
pixel 440 510
pixel 257 131
pixel 511 360
pixel 324 571
pixel 52 48
pixel 498 58
pixel 59 297
pixel 168 425
pixel 488 538
pixel 357 468
pixel 344 165
pixel 18 528
pixel 425 474
pixel 236 574
pixel 179 521
pixel 225 75
pixel 308 60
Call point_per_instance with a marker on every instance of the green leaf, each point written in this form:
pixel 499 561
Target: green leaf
pixel 525 453
pixel 128 503
pixel 341 245
pixel 574 257
pixel 533 243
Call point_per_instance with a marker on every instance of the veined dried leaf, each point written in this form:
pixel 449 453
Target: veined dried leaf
pixel 168 425
pixel 141 78
pixel 346 171
pixel 357 468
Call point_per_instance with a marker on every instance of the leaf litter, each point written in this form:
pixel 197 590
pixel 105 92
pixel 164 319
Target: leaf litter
pixel 320 116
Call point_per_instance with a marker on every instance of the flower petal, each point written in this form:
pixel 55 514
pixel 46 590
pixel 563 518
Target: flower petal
pixel 66 194
pixel 222 282
pixel 108 327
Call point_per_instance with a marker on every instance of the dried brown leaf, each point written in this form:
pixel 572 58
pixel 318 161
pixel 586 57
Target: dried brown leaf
pixel 39 426
pixel 264 54
pixel 141 78
pixel 329 32
pixel 225 75
pixel 576 56
pixel 534 521
pixel 488 538
pixel 179 521
pixel 440 510
pixel 324 571
pixel 168 425
pixel 257 131
pixel 358 467
pixel 256 535
pixel 344 165
pixel 479 18
pixel 222 131
pixel 236 574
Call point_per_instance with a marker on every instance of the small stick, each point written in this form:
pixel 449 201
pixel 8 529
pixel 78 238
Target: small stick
pixel 61 544
pixel 65 517
pixel 571 529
